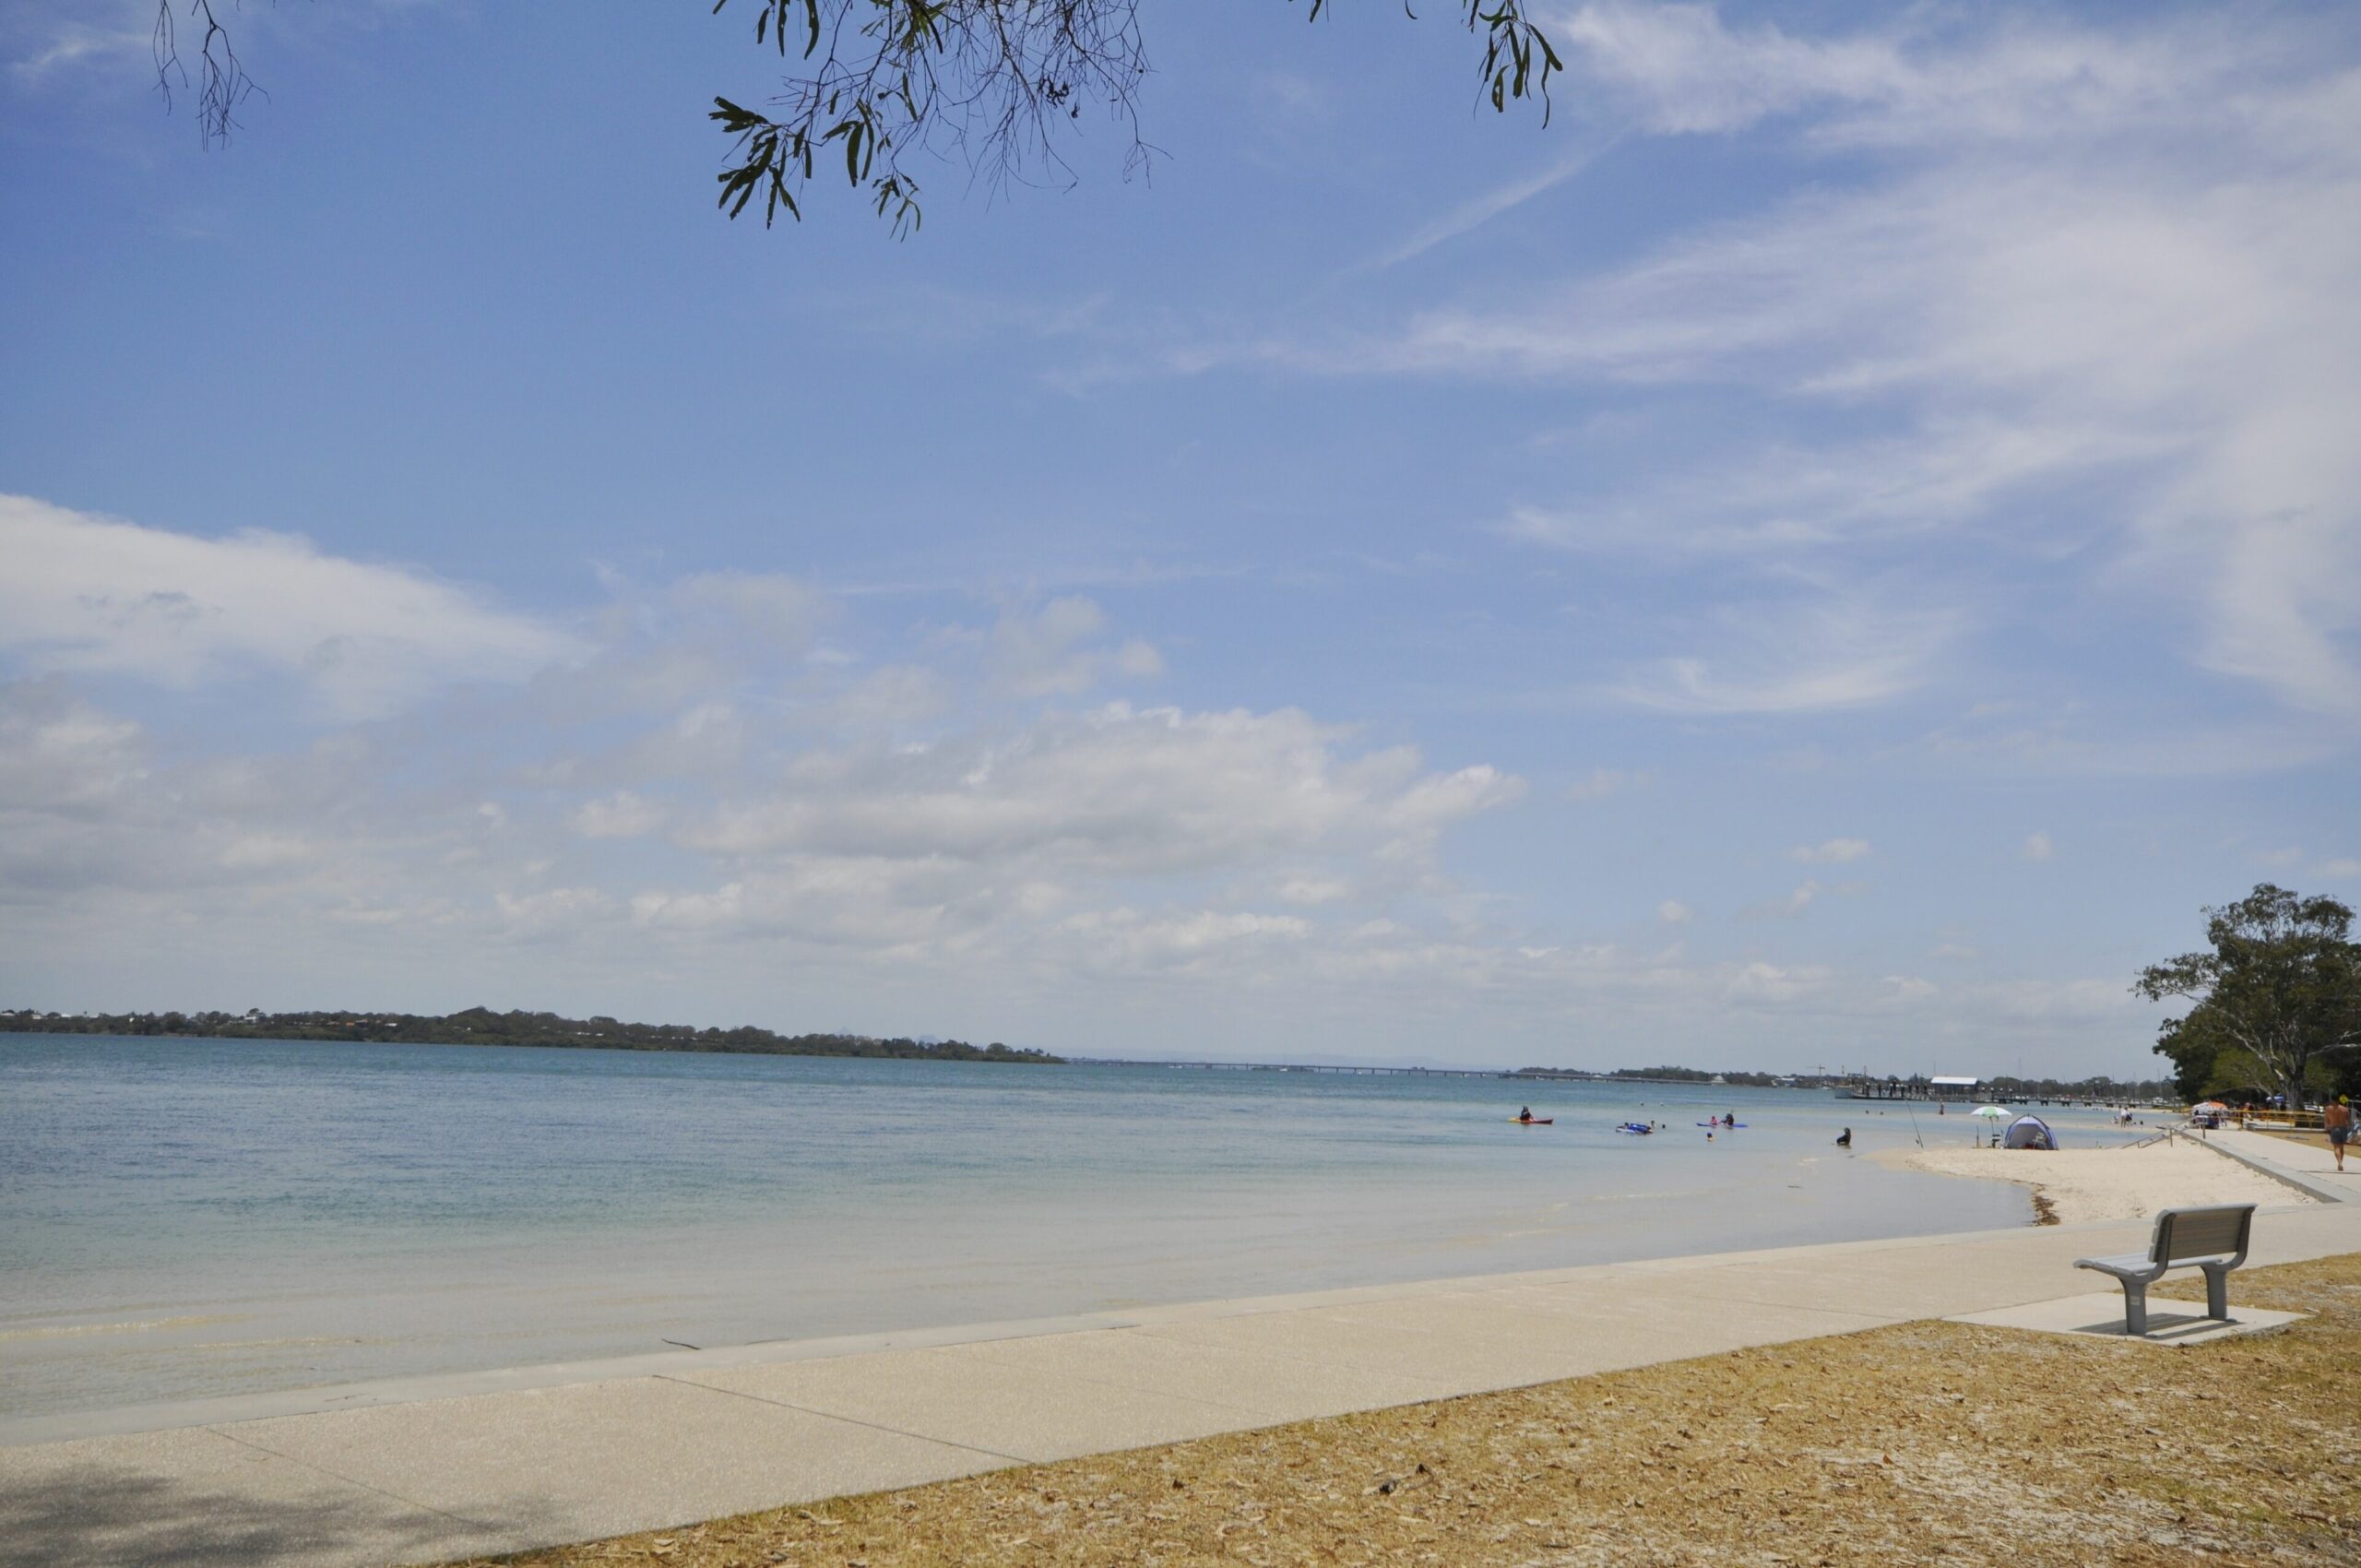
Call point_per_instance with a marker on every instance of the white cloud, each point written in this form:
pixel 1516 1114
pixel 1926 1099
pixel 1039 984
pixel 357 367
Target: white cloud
pixel 58 755
pixel 620 816
pixel 1058 651
pixel 1311 890
pixel 558 912
pixel 1759 981
pixel 1601 782
pixel 2036 847
pixel 1788 908
pixel 1834 852
pixel 1116 791
pixel 895 694
pixel 89 594
pixel 1126 941
pixel 1680 69
pixel 2340 869
pixel 779 611
pixel 1081 871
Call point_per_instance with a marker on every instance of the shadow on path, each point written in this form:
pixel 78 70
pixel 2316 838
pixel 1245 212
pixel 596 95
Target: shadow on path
pixel 98 1514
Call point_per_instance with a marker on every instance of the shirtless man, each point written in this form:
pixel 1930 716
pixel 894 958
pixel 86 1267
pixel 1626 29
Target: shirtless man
pixel 2338 1120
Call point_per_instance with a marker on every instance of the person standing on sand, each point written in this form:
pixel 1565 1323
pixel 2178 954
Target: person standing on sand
pixel 2338 1120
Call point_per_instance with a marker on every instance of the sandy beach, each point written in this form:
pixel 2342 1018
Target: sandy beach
pixel 2073 1185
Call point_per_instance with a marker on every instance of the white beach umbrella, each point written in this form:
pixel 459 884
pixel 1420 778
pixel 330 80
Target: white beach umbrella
pixel 1989 1111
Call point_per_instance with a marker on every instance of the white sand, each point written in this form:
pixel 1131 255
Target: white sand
pixel 2107 1184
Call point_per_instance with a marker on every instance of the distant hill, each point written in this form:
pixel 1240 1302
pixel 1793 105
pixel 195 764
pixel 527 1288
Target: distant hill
pixel 480 1026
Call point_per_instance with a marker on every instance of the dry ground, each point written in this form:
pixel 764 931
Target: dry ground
pixel 1926 1443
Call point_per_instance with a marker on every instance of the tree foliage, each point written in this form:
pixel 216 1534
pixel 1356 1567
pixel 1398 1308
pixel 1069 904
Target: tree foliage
pixel 997 84
pixel 991 81
pixel 2276 990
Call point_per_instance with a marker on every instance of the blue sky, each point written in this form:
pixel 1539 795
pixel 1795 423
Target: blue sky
pixel 1829 553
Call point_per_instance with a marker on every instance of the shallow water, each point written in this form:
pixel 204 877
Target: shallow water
pixel 182 1218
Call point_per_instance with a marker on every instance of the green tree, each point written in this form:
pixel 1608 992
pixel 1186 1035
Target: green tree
pixel 2279 984
pixel 997 84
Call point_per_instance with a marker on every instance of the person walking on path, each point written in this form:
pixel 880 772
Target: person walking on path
pixel 2338 1120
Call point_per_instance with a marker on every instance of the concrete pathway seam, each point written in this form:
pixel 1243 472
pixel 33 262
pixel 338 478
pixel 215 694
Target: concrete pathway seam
pixel 848 1420
pixel 364 1486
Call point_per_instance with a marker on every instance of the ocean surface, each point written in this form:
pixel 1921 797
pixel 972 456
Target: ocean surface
pixel 186 1219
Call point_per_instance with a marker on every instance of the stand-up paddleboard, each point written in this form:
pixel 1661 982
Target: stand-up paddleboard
pixel 1721 1123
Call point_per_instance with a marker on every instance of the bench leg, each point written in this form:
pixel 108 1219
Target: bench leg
pixel 2135 1308
pixel 2217 1290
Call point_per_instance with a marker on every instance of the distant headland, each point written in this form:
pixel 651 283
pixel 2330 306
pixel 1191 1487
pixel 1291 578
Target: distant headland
pixel 480 1026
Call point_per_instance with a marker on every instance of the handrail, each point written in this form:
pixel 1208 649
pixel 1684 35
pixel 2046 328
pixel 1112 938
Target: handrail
pixel 2295 1121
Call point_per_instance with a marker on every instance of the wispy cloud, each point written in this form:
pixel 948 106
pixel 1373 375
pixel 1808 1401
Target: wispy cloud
pixel 2148 328
pixel 1820 654
pixel 90 593
pixel 1473 213
pixel 1601 782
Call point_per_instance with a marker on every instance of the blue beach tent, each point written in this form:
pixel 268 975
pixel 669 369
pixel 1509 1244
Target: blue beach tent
pixel 2029 1132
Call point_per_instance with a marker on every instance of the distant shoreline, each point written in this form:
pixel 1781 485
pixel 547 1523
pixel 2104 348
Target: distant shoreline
pixel 478 1025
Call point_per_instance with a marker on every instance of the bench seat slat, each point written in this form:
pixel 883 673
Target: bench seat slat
pixel 2127 1263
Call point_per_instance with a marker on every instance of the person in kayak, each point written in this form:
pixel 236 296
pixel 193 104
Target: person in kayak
pixel 1525 1115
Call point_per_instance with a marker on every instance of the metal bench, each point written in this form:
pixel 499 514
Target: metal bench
pixel 2212 1238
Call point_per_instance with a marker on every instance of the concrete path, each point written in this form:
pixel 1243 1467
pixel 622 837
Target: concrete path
pixel 434 1470
pixel 2303 1162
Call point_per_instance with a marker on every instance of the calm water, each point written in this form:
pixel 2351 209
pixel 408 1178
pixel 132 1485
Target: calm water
pixel 181 1219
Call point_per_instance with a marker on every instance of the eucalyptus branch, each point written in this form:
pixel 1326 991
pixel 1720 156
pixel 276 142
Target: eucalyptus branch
pixel 222 79
pixel 996 83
